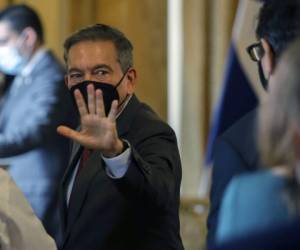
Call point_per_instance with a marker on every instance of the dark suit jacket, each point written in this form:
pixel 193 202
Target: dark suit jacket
pixel 235 152
pixel 37 156
pixel 284 237
pixel 138 211
pixel 5 85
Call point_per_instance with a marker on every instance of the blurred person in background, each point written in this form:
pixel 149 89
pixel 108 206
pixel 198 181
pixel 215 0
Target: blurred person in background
pixel 258 201
pixel 235 151
pixel 35 104
pixel 20 229
pixel 279 144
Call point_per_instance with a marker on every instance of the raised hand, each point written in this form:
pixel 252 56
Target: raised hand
pixel 98 131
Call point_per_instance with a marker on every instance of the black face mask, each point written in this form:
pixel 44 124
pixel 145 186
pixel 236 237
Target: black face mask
pixel 263 80
pixel 109 92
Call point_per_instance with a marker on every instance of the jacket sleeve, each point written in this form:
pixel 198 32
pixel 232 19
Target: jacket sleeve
pixel 154 174
pixel 36 122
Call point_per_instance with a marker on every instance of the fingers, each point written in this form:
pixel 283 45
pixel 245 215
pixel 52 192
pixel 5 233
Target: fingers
pixel 94 101
pixel 91 98
pixel 72 134
pixel 95 104
pixel 99 103
pixel 113 111
pixel 80 103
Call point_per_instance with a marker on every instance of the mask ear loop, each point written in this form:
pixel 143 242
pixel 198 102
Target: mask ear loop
pixel 118 84
pixel 122 78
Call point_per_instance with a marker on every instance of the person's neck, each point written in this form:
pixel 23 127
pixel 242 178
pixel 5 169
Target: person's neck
pixel 35 48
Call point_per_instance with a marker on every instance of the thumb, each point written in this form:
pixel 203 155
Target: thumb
pixel 68 132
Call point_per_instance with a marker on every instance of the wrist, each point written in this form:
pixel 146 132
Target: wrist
pixel 117 149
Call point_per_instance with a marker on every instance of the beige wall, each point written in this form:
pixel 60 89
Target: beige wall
pixel 145 24
pixel 207 33
pixel 4 3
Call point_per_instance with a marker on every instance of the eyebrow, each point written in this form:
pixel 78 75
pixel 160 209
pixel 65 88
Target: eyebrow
pixel 73 69
pixel 98 66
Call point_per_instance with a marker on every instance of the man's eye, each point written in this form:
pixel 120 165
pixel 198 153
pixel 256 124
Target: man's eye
pixel 75 75
pixel 101 72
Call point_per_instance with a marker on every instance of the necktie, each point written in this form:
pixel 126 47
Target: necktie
pixel 84 158
pixel 82 164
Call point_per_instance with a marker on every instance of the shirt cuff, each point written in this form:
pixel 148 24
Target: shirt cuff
pixel 116 167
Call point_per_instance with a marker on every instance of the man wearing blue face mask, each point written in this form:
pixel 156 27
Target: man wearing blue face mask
pixel 121 189
pixel 36 102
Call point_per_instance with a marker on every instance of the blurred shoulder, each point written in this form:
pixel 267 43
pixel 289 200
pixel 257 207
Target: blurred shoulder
pixel 259 182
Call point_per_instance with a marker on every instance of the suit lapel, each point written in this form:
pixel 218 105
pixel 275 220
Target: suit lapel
pixel 126 117
pixel 76 153
pixel 80 189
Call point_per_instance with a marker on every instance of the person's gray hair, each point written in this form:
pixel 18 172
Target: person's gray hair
pixel 102 32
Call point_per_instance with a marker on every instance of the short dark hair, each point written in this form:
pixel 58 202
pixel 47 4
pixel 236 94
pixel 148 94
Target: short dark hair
pixel 20 16
pixel 279 23
pixel 102 32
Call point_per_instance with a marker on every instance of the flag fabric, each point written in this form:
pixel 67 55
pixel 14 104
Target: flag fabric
pixel 238 96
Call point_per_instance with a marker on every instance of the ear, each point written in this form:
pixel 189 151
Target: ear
pixel 131 79
pixel 30 37
pixel 268 60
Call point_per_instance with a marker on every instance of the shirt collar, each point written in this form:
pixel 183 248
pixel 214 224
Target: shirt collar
pixel 37 56
pixel 124 106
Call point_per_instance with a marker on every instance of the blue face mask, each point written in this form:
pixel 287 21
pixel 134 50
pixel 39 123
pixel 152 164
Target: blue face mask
pixel 11 61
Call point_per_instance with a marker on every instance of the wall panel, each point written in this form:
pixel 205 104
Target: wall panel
pixel 144 22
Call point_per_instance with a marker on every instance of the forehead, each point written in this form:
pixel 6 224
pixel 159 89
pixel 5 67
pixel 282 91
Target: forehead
pixel 92 52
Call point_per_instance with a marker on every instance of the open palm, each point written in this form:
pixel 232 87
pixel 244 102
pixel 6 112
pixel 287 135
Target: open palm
pixel 98 131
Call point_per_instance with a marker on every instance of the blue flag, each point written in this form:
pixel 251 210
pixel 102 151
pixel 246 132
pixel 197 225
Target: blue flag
pixel 237 95
pixel 237 98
